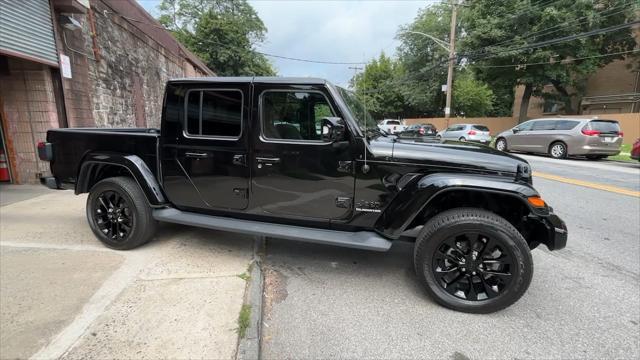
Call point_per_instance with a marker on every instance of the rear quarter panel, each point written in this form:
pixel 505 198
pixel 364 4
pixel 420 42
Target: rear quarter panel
pixel 71 146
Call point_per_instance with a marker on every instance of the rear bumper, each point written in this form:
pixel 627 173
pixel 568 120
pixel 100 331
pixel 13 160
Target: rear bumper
pixel 556 232
pixel 50 182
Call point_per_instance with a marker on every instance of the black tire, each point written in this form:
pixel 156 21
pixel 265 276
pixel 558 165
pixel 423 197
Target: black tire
pixel 501 144
pixel 558 150
pixel 438 137
pixel 462 139
pixel 500 237
pixel 596 157
pixel 129 223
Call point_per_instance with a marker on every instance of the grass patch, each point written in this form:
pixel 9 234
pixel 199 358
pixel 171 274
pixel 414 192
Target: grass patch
pixel 625 154
pixel 244 276
pixel 243 320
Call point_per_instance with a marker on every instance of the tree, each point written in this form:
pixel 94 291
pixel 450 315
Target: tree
pixel 471 97
pixel 501 35
pixel 378 86
pixel 221 32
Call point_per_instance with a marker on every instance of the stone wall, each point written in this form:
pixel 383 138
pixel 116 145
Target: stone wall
pixel 122 83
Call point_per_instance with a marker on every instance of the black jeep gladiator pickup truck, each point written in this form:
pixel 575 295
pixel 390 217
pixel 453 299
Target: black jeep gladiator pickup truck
pixel 300 159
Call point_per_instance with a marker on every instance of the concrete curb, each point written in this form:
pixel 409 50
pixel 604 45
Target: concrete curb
pixel 249 346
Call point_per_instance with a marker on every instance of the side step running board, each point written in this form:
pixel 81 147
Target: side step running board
pixel 359 240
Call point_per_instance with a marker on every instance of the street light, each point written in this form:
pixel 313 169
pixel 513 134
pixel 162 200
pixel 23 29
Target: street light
pixel 450 48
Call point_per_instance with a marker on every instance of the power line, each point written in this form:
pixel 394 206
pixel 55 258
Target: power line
pixel 559 27
pixel 559 62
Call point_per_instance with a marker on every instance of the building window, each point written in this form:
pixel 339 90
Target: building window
pixel 214 113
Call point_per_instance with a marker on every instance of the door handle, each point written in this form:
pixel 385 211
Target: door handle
pixel 197 155
pixel 266 161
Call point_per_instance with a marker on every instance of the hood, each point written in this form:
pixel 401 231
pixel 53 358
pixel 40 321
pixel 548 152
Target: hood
pixel 453 154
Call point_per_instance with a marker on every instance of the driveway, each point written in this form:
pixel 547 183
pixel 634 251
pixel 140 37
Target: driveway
pixel 584 301
pixel 63 294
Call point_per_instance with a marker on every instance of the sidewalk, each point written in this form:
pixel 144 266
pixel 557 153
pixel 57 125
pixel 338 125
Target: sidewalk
pixel 63 294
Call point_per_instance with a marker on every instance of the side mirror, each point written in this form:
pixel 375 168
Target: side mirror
pixel 515 130
pixel 333 129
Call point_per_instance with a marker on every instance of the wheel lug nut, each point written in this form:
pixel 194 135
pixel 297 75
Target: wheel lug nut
pixel 473 273
pixel 464 270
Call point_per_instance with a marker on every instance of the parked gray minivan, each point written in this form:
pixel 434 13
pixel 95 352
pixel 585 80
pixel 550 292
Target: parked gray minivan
pixel 562 137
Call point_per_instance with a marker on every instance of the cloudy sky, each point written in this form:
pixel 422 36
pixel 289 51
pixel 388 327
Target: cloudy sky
pixel 336 31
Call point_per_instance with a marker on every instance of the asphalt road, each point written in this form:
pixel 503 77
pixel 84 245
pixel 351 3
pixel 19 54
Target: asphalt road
pixel 584 301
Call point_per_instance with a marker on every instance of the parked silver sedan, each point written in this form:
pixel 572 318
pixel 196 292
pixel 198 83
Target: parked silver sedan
pixel 593 138
pixel 466 132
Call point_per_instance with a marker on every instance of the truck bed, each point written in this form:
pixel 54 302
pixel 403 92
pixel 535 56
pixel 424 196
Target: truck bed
pixel 71 145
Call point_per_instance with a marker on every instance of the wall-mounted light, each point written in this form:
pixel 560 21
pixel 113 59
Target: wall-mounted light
pixel 70 23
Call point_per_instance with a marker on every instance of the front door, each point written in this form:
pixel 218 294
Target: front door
pixel 205 159
pixel 519 139
pixel 295 173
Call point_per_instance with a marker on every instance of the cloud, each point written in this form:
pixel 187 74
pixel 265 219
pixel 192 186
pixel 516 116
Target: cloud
pixel 341 31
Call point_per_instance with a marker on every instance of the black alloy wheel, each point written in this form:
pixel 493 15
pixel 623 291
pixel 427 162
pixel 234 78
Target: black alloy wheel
pixel 472 266
pixel 119 213
pixel 113 216
pixel 473 260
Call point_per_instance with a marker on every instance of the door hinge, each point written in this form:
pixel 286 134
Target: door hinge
pixel 343 202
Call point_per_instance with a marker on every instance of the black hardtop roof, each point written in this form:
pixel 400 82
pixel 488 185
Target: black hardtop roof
pixel 252 79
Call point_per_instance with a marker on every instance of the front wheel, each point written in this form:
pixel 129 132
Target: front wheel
pixel 473 260
pixel 119 215
pixel 501 144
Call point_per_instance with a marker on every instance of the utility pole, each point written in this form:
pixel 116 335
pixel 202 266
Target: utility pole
pixel 452 60
pixel 355 71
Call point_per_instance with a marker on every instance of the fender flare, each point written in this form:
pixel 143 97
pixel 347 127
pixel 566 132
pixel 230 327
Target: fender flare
pixel 419 191
pixel 92 163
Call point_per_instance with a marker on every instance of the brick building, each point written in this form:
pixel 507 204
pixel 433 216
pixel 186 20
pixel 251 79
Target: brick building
pixel 80 63
pixel 613 89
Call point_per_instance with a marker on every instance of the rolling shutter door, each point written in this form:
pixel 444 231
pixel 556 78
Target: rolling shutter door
pixel 26 30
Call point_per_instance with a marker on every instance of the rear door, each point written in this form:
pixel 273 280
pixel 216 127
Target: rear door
pixel 204 153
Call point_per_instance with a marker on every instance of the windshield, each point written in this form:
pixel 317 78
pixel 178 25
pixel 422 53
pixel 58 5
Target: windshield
pixel 357 109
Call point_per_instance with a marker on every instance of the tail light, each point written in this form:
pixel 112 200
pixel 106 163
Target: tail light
pixel 620 133
pixel 590 132
pixel 421 131
pixel 471 132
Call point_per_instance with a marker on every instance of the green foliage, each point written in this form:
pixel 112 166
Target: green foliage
pixel 502 28
pixel 243 320
pixel 471 97
pixel 378 86
pixel 221 32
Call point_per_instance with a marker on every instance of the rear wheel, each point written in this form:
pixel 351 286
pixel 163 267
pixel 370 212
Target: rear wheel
pixel 472 260
pixel 119 215
pixel 462 139
pixel 558 150
pixel 501 144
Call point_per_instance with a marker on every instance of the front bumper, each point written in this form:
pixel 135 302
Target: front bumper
pixel 556 232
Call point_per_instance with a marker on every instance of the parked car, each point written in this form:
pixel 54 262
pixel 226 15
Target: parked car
pixel 419 131
pixel 466 132
pixel 635 150
pixel 593 138
pixel 391 126
pixel 244 155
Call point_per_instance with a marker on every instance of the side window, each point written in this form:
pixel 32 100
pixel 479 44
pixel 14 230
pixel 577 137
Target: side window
pixel 544 125
pixel 294 115
pixel 215 113
pixel 566 124
pixel 526 126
